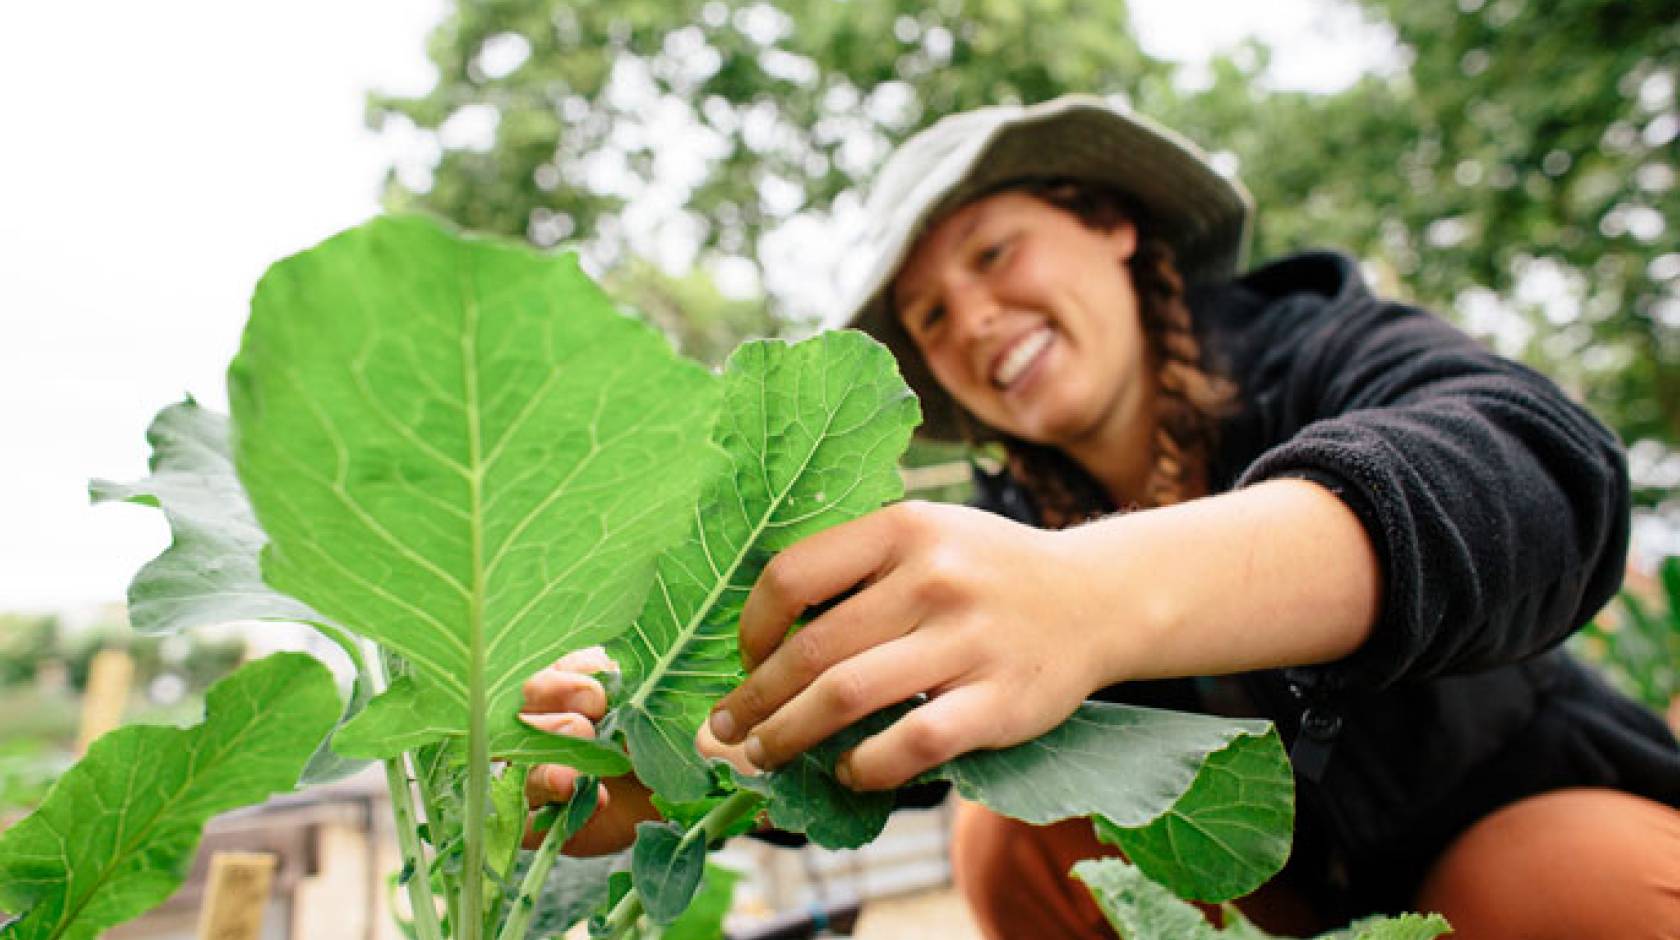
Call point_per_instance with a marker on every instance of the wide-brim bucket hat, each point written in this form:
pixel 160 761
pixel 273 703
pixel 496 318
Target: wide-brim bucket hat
pixel 1202 214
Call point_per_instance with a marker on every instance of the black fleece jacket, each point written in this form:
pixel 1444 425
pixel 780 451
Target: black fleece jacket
pixel 1499 511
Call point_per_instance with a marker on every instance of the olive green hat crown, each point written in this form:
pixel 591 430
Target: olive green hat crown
pixel 1204 215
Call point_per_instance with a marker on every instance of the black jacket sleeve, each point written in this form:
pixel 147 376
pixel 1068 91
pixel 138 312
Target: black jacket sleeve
pixel 1498 507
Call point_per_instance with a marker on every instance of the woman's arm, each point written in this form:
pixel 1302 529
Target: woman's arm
pixel 1009 628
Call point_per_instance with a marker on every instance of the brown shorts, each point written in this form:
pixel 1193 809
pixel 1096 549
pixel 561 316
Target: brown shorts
pixel 1567 865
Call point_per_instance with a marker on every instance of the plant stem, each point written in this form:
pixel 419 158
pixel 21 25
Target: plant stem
pixel 739 805
pixel 414 859
pixel 371 680
pixel 525 905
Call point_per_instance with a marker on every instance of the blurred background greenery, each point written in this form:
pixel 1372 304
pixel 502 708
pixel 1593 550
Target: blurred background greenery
pixel 1516 172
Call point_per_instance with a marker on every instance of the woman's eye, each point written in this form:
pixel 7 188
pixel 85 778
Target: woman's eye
pixel 990 254
pixel 932 317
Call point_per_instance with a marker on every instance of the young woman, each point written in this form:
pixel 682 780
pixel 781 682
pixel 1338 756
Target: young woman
pixel 1275 495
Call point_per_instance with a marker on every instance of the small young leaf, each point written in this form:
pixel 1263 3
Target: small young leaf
pixel 812 433
pixel 506 825
pixel 805 796
pixel 115 835
pixel 703 920
pixel 666 864
pixel 1140 909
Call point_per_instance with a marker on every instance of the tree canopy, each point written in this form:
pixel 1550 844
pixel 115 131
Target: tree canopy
pixel 1518 173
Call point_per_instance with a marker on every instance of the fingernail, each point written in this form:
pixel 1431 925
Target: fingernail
pixel 723 725
pixel 755 751
pixel 843 770
pixel 548 722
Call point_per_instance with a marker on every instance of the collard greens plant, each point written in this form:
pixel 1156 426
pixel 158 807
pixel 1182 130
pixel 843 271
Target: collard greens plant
pixel 459 460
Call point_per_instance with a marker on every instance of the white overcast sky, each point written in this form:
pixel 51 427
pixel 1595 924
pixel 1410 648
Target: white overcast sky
pixel 156 157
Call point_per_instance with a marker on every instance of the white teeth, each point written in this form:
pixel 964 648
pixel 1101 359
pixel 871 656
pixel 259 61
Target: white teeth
pixel 1018 358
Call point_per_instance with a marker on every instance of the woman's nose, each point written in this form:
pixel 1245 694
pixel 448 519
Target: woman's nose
pixel 972 309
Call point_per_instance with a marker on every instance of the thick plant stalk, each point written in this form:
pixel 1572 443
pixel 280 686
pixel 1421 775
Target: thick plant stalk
pixel 741 804
pixel 414 860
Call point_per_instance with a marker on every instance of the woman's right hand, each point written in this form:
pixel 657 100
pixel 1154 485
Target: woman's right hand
pixel 566 698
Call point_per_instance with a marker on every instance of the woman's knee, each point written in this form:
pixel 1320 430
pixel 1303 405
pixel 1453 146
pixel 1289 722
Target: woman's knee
pixel 1566 864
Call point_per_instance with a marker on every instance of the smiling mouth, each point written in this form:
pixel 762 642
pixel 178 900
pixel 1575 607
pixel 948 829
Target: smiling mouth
pixel 1014 363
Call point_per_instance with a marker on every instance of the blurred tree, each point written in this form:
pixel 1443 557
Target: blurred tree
pixel 1519 173
pixel 25 640
pixel 752 112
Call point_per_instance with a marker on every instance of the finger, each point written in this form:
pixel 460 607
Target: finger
pixel 869 618
pixel 948 726
pixel 588 659
pixel 549 783
pixel 624 803
pixel 570 724
pixel 875 679
pixel 807 573
pixel 709 747
pixel 557 690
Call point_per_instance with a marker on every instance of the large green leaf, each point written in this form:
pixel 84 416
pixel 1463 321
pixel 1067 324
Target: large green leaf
pixel 812 434
pixel 1140 909
pixel 1122 762
pixel 1228 833
pixel 116 833
pixel 1205 804
pixel 1164 781
pixel 460 449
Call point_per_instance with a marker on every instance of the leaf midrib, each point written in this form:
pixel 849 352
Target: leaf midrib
pixel 662 667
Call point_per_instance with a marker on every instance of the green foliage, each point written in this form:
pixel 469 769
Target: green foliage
pixel 811 434
pixel 1214 836
pixel 667 863
pixel 209 574
pixel 116 833
pixel 1638 646
pixel 795 96
pixel 1525 154
pixel 1228 833
pixel 24 642
pixel 1140 909
pixel 703 920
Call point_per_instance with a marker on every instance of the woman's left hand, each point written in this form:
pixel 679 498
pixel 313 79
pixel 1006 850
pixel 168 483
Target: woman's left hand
pixel 984 615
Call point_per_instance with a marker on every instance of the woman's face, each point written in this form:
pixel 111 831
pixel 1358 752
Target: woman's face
pixel 1028 318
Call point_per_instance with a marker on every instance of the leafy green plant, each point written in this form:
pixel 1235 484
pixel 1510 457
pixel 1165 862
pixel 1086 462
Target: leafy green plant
pixel 456 459
pixel 1640 647
pixel 1140 909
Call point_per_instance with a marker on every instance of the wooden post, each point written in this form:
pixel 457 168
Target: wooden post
pixel 236 896
pixel 334 902
pixel 109 676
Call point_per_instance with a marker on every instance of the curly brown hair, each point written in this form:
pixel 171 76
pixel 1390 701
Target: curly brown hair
pixel 1189 399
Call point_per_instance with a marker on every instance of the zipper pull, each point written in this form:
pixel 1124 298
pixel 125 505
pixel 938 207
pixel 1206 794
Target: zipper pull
pixel 1310 754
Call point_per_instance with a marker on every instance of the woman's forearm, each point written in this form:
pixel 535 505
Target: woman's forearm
pixel 1276 574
